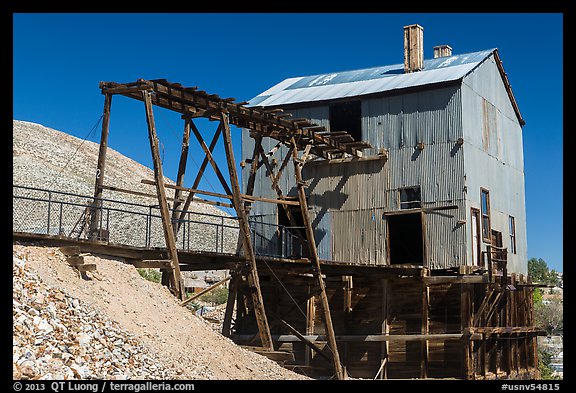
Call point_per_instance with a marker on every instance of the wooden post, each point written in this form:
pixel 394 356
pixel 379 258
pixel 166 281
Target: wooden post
pixel 181 171
pixel 161 191
pixel 424 330
pixel 385 328
pixel 310 318
pixel 253 280
pixel 232 289
pixel 489 262
pixel 316 262
pixel 97 204
pixel 177 192
pixel 465 322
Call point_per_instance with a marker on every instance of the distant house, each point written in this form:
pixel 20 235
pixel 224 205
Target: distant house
pixel 444 177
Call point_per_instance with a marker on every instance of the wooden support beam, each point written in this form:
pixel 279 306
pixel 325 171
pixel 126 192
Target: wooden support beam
pixel 253 280
pixel 313 254
pixel 282 338
pixel 232 293
pixel 254 166
pixel 480 313
pixel 280 194
pixel 160 189
pixel 385 348
pixel 151 263
pixel 101 166
pixel 210 158
pixel 465 322
pixel 196 200
pixel 199 174
pixel 310 321
pixel 218 195
pixel 424 330
pixel 181 172
pixel 205 291
pixel 307 342
pixel 438 280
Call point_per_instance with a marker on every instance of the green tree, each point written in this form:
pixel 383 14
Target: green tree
pixel 537 296
pixel 216 296
pixel 544 360
pixel 538 270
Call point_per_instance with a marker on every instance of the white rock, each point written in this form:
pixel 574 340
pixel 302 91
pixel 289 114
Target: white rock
pixel 83 339
pixel 45 326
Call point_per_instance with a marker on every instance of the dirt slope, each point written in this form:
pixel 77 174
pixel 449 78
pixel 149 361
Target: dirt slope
pixel 183 344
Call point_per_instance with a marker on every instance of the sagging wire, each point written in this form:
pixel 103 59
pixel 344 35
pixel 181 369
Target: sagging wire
pixel 89 135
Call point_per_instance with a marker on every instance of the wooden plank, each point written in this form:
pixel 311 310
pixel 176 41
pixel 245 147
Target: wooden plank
pixel 465 322
pixel 205 291
pixel 101 166
pixel 86 267
pixel 339 373
pixel 70 250
pixel 508 330
pixel 253 280
pixel 160 189
pixel 438 280
pixel 152 263
pixel 75 260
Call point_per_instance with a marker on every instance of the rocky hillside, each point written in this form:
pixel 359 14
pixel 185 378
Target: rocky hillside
pixel 50 159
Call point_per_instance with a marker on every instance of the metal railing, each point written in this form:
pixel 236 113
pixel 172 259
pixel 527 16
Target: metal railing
pixel 42 211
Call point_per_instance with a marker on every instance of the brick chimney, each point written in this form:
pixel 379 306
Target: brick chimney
pixel 413 48
pixel 442 51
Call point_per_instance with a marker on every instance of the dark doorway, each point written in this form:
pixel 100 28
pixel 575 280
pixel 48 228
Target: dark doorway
pixel 405 239
pixel 347 116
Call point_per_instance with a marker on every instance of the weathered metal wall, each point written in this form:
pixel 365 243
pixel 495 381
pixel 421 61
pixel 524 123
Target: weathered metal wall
pixel 494 157
pixel 348 200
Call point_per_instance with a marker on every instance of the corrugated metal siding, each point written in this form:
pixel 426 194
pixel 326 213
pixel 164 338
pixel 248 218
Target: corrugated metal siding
pixel 359 236
pixel 432 116
pixel 497 167
pixel 445 238
pixel 438 169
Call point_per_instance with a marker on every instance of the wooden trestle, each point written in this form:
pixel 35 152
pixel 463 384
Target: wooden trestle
pixel 297 134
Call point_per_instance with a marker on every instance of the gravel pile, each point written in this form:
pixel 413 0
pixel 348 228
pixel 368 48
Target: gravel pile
pixel 115 324
pixel 57 336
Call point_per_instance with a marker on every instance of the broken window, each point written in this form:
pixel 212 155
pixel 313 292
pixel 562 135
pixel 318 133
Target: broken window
pixel 347 116
pixel 512 232
pixel 485 205
pixel 410 197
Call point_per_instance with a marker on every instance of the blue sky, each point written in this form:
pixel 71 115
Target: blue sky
pixel 60 58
